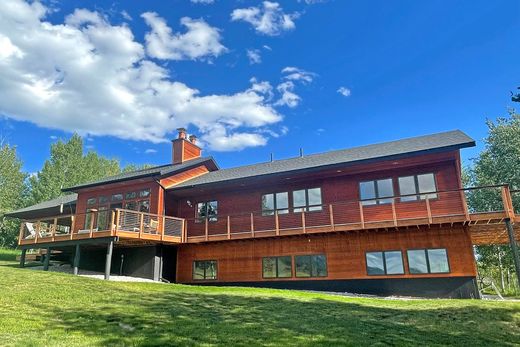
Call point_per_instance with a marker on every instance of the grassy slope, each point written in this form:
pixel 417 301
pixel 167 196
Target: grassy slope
pixel 38 308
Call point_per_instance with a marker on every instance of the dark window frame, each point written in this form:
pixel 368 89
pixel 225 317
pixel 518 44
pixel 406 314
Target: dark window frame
pixel 377 199
pixel 272 212
pixel 427 257
pixel 384 263
pixel 211 219
pixel 306 208
pixel 310 263
pixel 276 266
pixel 205 267
pixel 418 196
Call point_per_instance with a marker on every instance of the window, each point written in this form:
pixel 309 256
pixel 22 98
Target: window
pixel 307 200
pixel 91 201
pixel 310 265
pixel 275 202
pixel 374 192
pixel 205 270
pixel 131 205
pixel 277 267
pixel 208 209
pixel 144 206
pixel 102 218
pixel 89 216
pixel 117 197
pixel 130 195
pixel 423 261
pixel 410 185
pixel 144 193
pixel 385 263
pixel 103 200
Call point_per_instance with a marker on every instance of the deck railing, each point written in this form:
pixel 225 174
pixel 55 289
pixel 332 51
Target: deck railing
pixel 468 205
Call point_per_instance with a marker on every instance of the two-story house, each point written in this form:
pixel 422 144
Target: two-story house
pixel 387 218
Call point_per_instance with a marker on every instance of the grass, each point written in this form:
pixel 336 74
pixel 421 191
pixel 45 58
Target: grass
pixel 51 309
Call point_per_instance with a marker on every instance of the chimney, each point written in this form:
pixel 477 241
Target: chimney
pixel 184 150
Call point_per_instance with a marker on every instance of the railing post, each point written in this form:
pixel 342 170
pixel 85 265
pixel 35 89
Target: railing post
pixel 394 213
pixel 228 228
pixel 252 225
pixel 303 221
pixel 92 216
pixel 72 226
pixel 331 216
pixel 206 233
pixel 141 224
pixel 514 247
pixel 54 226
pixel 164 226
pixel 20 236
pixel 112 218
pixel 276 223
pixel 185 231
pixel 429 210
pixel 38 227
pixel 361 215
pixel 508 202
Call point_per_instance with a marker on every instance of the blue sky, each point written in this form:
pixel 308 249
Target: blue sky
pixel 407 68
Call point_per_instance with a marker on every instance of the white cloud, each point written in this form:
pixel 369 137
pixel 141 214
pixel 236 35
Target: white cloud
pixel 292 75
pixel 201 41
pixel 92 77
pixel 53 137
pixel 344 91
pixel 205 2
pixel 254 56
pixel 295 74
pixel 288 97
pixel 150 151
pixel 267 47
pixel 126 15
pixel 269 19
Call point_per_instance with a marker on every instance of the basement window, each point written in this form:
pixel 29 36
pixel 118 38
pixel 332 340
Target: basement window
pixel 311 265
pixel 424 261
pixel 385 263
pixel 205 270
pixel 277 267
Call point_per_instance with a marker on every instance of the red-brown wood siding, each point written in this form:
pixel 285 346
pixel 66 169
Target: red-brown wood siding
pixel 241 261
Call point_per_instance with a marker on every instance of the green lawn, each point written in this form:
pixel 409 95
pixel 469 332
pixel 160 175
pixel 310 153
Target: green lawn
pixel 47 309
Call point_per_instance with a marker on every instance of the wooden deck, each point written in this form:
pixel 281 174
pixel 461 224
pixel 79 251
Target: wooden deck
pixel 343 217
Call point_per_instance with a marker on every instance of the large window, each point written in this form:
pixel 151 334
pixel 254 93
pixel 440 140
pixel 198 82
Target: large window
pixel 375 192
pixel 423 261
pixel 310 265
pixel 277 267
pixel 275 202
pixel 385 263
pixel 307 200
pixel 205 270
pixel 207 209
pixel 410 185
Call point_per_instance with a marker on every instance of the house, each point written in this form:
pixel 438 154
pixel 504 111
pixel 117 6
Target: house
pixel 389 218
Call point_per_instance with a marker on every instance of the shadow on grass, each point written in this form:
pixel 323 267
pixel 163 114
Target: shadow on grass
pixel 191 317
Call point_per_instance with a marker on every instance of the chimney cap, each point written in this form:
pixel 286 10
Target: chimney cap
pixel 182 133
pixel 193 139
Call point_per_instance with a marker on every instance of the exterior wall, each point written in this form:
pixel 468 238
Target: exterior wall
pixel 241 261
pixel 336 188
pixel 156 198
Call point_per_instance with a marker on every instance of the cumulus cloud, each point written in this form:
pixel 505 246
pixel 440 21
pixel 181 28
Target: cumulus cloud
pixel 200 41
pixel 344 91
pixel 291 76
pixel 254 56
pixel 93 77
pixel 268 19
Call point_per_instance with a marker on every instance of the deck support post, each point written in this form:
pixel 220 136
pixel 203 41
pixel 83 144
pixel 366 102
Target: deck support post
pixel 47 259
pixel 514 247
pixel 108 260
pixel 22 257
pixel 77 254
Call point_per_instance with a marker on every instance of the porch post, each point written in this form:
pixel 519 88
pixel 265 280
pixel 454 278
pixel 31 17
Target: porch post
pixel 108 260
pixel 47 258
pixel 22 257
pixel 514 247
pixel 77 254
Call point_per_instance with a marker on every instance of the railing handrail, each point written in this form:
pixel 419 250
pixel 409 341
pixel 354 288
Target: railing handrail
pixel 149 214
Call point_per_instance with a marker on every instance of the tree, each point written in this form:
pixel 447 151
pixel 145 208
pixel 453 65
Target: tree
pixel 515 97
pixel 498 163
pixel 68 166
pixel 13 193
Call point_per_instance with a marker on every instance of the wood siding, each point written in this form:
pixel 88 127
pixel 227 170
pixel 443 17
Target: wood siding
pixel 241 261
pixel 336 188
pixel 183 176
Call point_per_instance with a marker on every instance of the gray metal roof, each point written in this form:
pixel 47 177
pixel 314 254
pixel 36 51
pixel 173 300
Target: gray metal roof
pixel 47 208
pixel 437 142
pixel 162 170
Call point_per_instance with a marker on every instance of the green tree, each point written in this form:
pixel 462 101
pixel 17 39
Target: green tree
pixel 68 166
pixel 13 193
pixel 515 97
pixel 498 163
